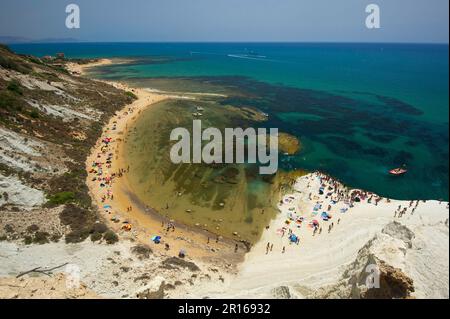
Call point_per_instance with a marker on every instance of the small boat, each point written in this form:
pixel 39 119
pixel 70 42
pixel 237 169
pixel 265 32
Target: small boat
pixel 398 171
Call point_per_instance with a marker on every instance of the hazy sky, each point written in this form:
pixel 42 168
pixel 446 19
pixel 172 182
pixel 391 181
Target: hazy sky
pixel 228 20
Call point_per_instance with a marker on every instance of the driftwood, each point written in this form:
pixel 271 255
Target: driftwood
pixel 46 271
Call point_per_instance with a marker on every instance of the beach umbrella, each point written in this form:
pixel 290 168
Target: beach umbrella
pixel 156 239
pixel 107 206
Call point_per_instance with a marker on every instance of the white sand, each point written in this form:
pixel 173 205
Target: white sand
pixel 320 260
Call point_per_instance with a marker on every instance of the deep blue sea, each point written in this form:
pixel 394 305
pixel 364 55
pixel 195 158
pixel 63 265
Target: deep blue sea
pixel 359 109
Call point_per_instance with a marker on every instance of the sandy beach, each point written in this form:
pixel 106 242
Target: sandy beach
pixel 123 208
pixel 81 69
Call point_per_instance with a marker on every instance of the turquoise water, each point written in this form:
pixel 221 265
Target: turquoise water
pixel 359 109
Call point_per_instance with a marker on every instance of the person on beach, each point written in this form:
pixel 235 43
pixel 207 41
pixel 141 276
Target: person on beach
pixel 284 250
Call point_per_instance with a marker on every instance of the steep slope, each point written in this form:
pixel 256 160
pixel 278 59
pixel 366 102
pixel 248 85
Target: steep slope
pixel 49 120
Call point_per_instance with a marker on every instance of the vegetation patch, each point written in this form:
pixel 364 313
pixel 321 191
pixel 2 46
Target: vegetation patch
pixel 80 220
pixel 16 114
pixel 15 87
pixel 61 198
pixel 178 262
pixel 110 237
pixel 39 238
pixel 13 64
pixel 96 237
pixel 142 251
pixel 131 94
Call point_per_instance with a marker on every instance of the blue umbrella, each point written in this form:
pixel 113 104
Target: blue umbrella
pixel 156 239
pixel 293 238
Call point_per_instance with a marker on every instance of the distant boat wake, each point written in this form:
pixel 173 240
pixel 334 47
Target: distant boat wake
pixel 243 56
pixel 237 56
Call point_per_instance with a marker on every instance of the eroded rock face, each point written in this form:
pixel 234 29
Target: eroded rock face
pixel 399 231
pixel 393 284
pixel 375 273
pixel 13 191
pixel 281 292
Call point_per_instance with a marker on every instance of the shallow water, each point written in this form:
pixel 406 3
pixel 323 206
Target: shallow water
pixel 221 198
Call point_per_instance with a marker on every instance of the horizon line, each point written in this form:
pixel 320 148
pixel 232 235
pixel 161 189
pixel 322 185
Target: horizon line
pixel 221 42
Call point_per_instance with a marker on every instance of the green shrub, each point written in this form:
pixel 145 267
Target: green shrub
pixel 35 60
pixel 10 101
pixel 110 237
pixel 96 236
pixel 34 114
pixel 99 228
pixel 14 86
pixel 28 240
pixel 61 198
pixel 8 228
pixel 32 228
pixel 41 238
pixel 73 181
pixel 142 251
pixel 80 220
pixel 10 64
pixel 5 47
pixel 131 94
pixel 77 236
pixel 55 238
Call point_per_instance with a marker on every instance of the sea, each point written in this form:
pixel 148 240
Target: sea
pixel 358 109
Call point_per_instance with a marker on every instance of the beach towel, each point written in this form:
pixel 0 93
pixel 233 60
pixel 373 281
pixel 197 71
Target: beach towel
pixel 325 216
